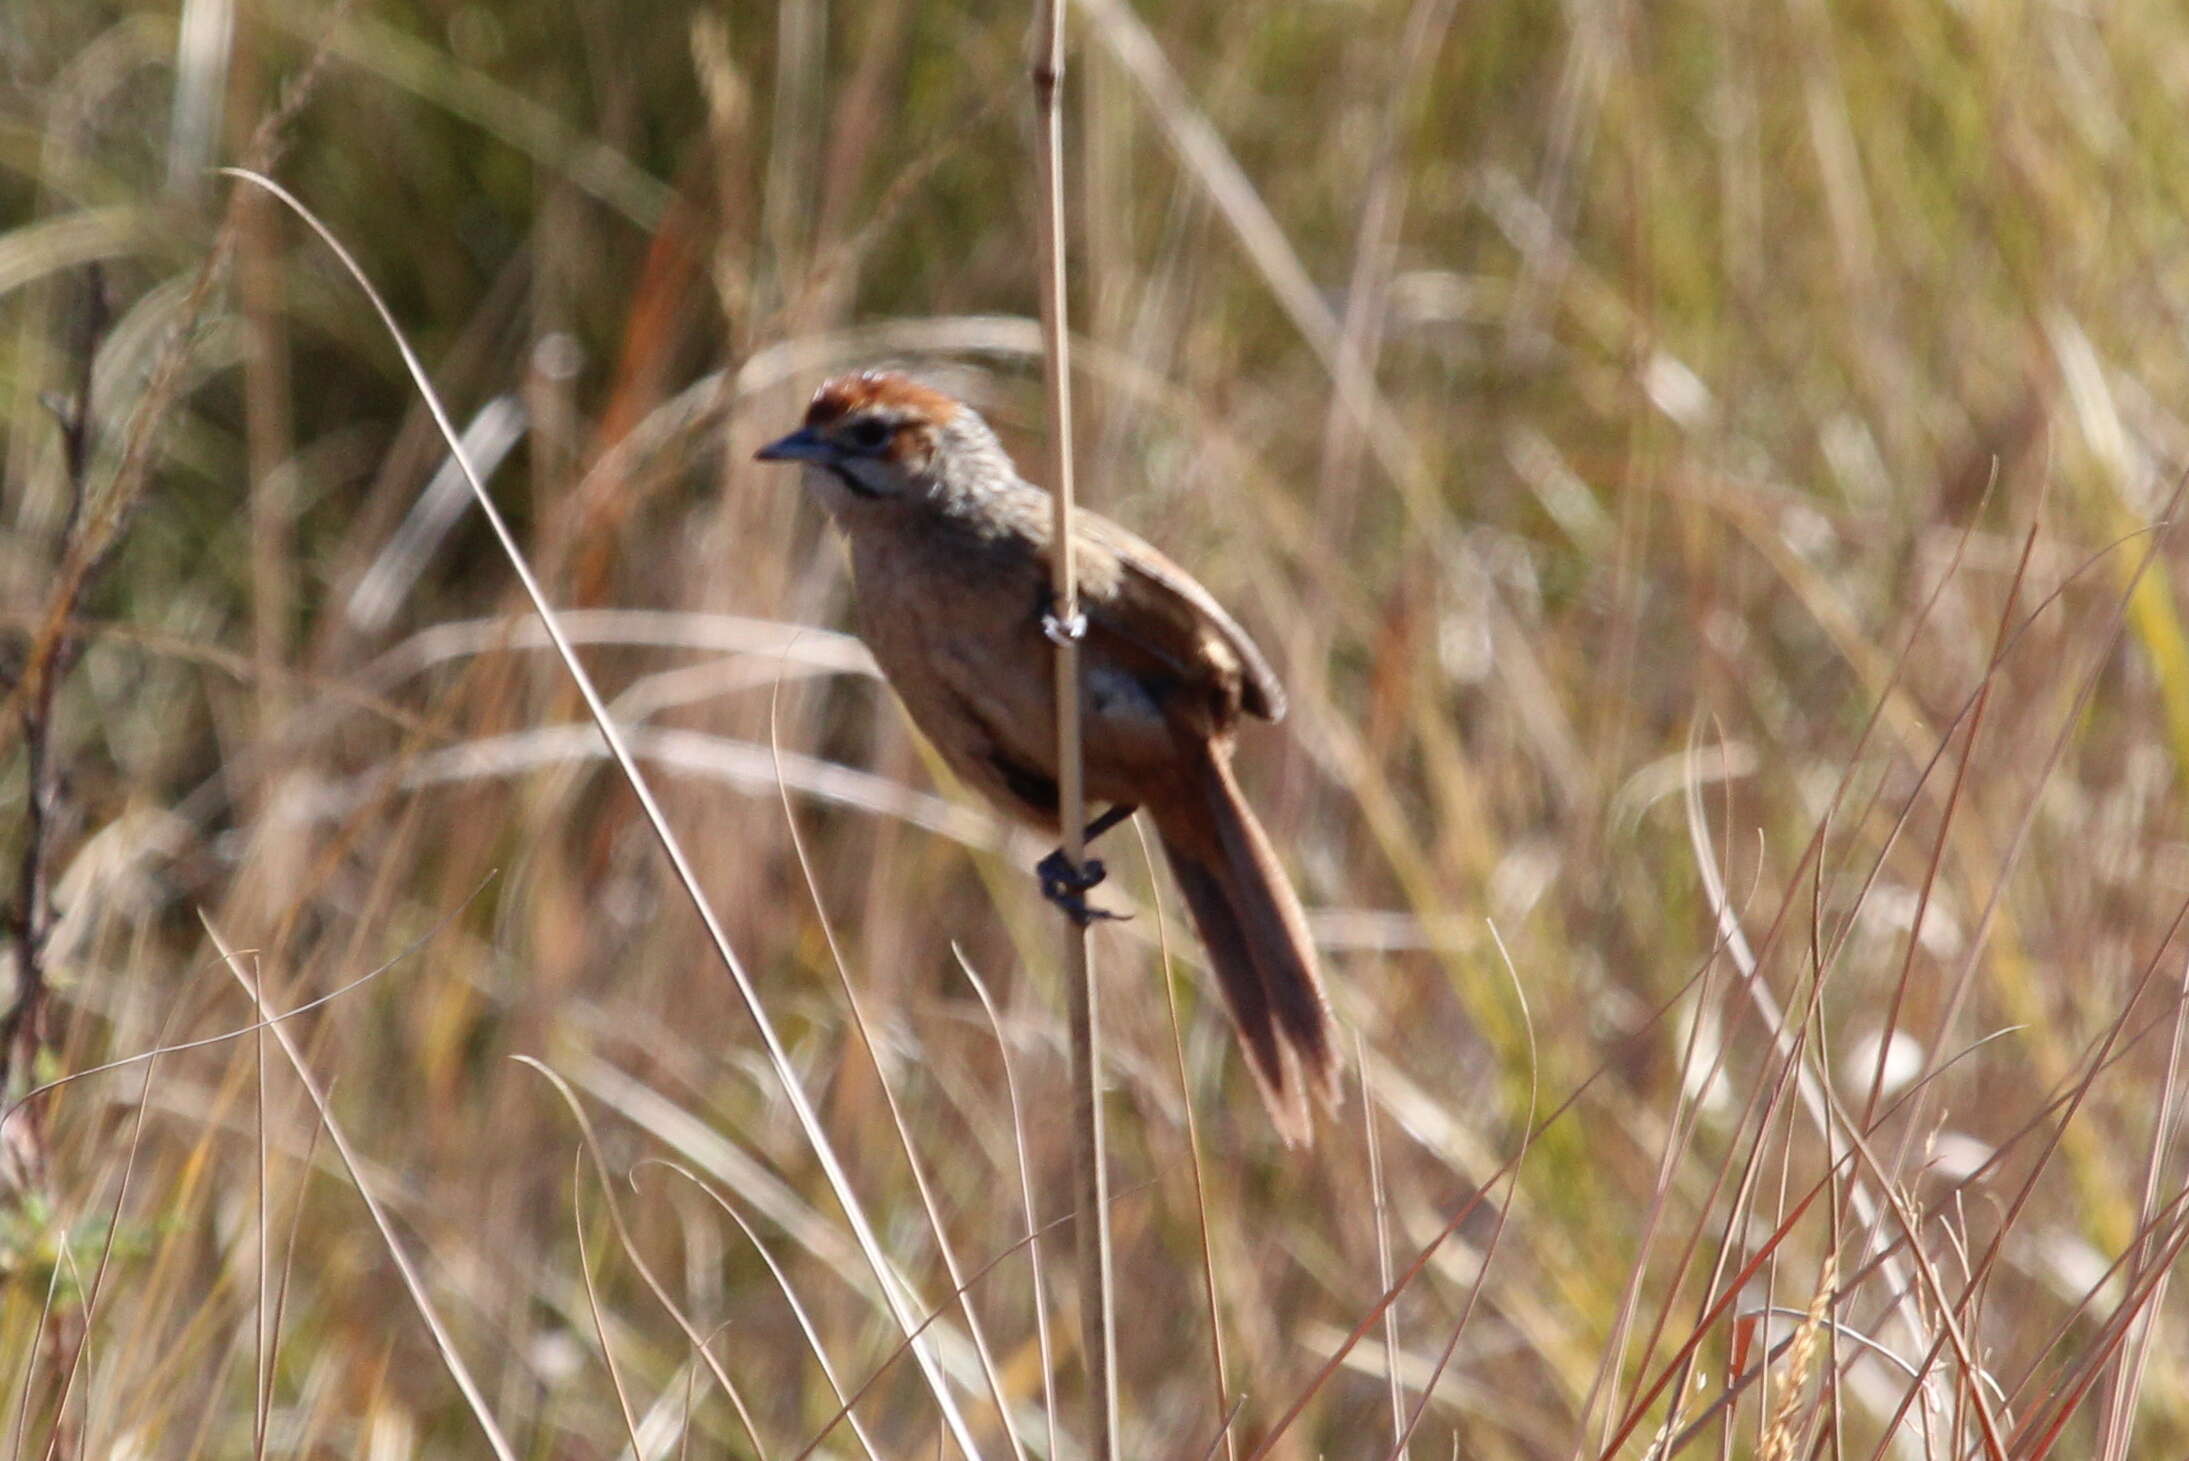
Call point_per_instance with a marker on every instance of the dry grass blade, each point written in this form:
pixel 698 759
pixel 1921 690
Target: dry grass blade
pixel 30 1366
pixel 2040 1431
pixel 2109 636
pixel 2120 1420
pixel 1380 1204
pixel 288 1271
pixel 1815 1096
pixel 262 1354
pixel 443 1344
pixel 1374 1316
pixel 897 1352
pixel 1701 1060
pixel 698 1341
pixel 1497 1231
pixel 1028 1207
pixel 936 1227
pixel 97 1285
pixel 266 1022
pixel 592 1302
pixel 1765 1104
pixel 1459 1216
pixel 381 48
pixel 1951 1323
pixel 2002 641
pixel 1219 1370
pixel 742 764
pixel 809 1123
pixel 790 1295
pixel 1223 1432
pixel 709 633
pixel 1728 1296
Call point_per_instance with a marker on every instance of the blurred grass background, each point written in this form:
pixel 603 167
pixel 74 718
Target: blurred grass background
pixel 1599 411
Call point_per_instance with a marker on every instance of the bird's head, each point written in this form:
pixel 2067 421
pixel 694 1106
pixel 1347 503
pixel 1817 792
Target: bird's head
pixel 879 437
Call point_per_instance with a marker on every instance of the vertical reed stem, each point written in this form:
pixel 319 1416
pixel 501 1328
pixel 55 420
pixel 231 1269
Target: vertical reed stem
pixel 1098 1334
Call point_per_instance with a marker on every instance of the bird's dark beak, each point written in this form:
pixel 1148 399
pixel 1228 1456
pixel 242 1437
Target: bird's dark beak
pixel 802 445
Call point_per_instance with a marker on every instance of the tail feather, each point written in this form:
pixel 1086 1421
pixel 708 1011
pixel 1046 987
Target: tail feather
pixel 1257 942
pixel 1241 983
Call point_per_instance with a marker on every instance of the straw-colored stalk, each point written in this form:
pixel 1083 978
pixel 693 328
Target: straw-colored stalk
pixel 1098 1334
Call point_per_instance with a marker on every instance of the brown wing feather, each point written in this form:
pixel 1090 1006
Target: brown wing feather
pixel 1146 598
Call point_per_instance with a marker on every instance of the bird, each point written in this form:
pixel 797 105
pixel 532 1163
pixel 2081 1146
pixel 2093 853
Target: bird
pixel 950 561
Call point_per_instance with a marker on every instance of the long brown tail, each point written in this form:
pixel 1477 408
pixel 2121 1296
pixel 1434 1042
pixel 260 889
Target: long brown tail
pixel 1250 920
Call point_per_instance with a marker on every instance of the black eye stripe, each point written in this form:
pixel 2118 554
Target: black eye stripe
pixel 868 433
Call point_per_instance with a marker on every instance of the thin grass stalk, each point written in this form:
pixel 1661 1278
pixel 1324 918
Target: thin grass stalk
pixel 1815 1097
pixel 88 1309
pixel 2042 1437
pixel 1223 1435
pixel 1810 864
pixel 929 1204
pixel 1225 1405
pixel 262 1385
pixel 1458 1217
pixel 1687 1104
pixel 62 1439
pixel 2009 1400
pixel 894 1290
pixel 2068 1107
pixel 2125 1272
pixel 1679 1365
pixel 443 1344
pixel 684 1435
pixel 2113 631
pixel 654 1285
pixel 2110 637
pixel 1782 1411
pixel 897 1352
pixel 1769 1091
pixel 592 1302
pixel 281 1288
pixel 1497 1230
pixel 1810 861
pixel 2120 1422
pixel 1829 1182
pixel 1026 1197
pixel 790 1298
pixel 2001 643
pixel 1835 1213
pixel 30 1367
pixel 1774 1107
pixel 1954 1330
pixel 1379 1205
pixel 1098 1332
pixel 1686 1111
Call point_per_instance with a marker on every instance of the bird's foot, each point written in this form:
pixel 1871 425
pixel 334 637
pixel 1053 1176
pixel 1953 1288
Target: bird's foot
pixel 1067 886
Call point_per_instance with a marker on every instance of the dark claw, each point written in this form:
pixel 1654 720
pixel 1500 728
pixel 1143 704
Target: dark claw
pixel 1065 886
pixel 1059 876
pixel 1062 884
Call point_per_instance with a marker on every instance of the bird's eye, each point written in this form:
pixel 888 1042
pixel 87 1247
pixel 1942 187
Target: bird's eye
pixel 868 434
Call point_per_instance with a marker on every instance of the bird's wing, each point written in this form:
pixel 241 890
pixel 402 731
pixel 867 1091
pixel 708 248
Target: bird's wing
pixel 1159 610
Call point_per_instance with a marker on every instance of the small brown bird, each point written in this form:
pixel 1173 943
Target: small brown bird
pixel 950 552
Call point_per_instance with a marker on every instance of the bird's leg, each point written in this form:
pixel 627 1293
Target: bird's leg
pixel 1066 886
